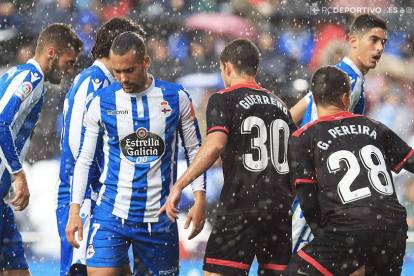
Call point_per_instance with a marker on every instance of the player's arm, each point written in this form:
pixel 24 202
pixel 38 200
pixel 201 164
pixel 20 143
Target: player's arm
pixel 8 151
pixel 82 167
pixel 308 199
pixel 207 155
pixel 304 175
pixel 298 111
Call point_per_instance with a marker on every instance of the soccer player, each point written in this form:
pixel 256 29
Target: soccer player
pixel 21 100
pixel 92 79
pixel 341 164
pixel 140 118
pixel 249 127
pixel 368 35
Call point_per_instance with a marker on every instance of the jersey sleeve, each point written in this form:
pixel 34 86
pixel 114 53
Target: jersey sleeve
pixel 190 136
pixel 15 92
pixel 218 117
pixel 396 149
pixel 85 161
pixel 302 165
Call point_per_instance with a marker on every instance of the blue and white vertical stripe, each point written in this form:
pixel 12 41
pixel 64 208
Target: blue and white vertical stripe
pixel 357 104
pixel 21 100
pixel 85 84
pixel 140 144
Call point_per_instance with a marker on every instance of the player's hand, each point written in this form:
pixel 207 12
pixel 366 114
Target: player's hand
pixel 21 200
pixel 170 205
pixel 74 224
pixel 197 214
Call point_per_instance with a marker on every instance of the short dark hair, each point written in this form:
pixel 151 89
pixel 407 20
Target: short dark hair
pixel 365 22
pixel 328 84
pixel 126 41
pixel 109 30
pixel 60 36
pixel 243 54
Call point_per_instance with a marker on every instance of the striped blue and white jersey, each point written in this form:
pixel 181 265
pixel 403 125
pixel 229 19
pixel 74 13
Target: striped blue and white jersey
pixel 21 100
pixel 85 84
pixel 140 144
pixel 357 105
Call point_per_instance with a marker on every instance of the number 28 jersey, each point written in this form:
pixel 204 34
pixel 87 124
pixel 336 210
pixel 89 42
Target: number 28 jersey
pixel 350 157
pixel 255 167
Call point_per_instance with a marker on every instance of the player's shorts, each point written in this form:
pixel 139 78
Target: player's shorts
pixel 11 243
pixel 301 232
pixel 340 254
pixel 237 238
pixel 68 254
pixel 155 245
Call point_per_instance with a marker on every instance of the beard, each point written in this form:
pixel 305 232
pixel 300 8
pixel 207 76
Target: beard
pixel 55 72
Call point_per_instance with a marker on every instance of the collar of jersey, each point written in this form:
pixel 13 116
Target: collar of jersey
pixel 336 116
pixel 36 64
pixel 250 84
pixel 145 92
pixel 108 74
pixel 351 64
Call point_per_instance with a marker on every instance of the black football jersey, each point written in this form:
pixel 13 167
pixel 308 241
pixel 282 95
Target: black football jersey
pixel 255 165
pixel 350 158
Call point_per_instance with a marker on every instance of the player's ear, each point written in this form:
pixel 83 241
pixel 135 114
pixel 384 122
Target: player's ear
pixel 229 68
pixel 51 52
pixel 353 41
pixel 346 100
pixel 147 62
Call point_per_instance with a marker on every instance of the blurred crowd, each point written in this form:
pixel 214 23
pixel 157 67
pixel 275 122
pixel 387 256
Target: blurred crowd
pixel 184 38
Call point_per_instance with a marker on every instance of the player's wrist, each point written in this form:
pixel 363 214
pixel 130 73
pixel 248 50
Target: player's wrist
pixel 74 210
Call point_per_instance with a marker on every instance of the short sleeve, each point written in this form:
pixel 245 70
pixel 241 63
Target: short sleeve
pixel 218 118
pixel 303 168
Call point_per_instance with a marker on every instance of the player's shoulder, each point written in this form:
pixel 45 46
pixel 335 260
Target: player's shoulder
pixel 110 89
pixel 168 87
pixel 349 67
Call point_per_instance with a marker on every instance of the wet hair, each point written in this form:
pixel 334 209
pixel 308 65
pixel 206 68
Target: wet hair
pixel 127 41
pixel 60 36
pixel 109 30
pixel 328 84
pixel 243 55
pixel 365 22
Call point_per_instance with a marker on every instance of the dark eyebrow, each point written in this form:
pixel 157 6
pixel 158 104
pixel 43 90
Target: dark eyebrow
pixel 385 39
pixel 125 70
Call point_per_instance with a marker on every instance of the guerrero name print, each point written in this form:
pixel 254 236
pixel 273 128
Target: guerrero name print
pixel 142 146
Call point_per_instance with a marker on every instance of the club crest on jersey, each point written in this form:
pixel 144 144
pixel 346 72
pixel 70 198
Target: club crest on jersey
pixel 164 109
pixel 24 90
pixel 90 252
pixel 142 146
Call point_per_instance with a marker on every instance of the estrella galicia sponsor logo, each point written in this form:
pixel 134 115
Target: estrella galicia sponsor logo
pixel 142 146
pixel 117 112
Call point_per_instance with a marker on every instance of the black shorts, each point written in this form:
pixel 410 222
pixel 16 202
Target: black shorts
pixel 340 254
pixel 237 238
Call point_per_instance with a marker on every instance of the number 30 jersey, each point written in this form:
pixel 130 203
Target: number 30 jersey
pixel 350 157
pixel 255 165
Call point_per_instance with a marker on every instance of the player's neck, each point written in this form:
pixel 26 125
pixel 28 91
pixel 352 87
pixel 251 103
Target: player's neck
pixel 245 79
pixel 354 58
pixel 328 110
pixel 107 63
pixel 44 64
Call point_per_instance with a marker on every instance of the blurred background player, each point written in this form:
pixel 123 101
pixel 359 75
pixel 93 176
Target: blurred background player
pixel 21 100
pixel 140 118
pixel 92 79
pixel 368 35
pixel 249 127
pixel 351 204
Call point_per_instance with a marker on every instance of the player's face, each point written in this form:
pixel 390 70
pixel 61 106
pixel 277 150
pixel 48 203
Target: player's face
pixel 130 71
pixel 62 65
pixel 369 48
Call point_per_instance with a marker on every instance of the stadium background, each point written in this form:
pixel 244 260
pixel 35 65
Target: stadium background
pixel 184 38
